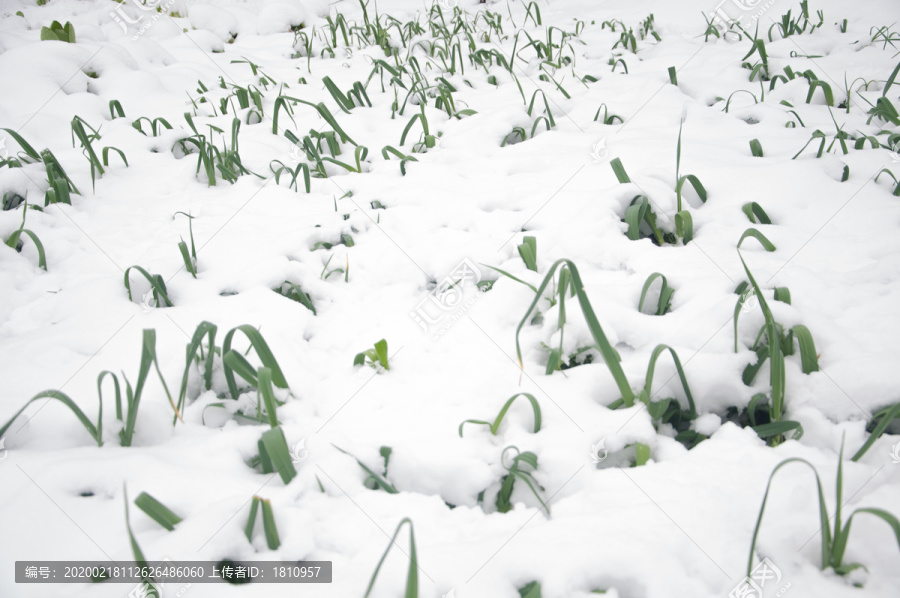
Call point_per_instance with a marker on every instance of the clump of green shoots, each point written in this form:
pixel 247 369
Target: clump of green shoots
pixel 836 536
pixel 157 288
pixel 374 480
pixel 662 411
pixel 274 454
pixel 190 259
pixel 376 357
pixel 78 130
pixel 59 32
pixel 268 521
pixel 295 293
pixel 639 211
pixel 772 344
pixel 522 467
pixel 132 397
pixel 15 239
pixel 788 26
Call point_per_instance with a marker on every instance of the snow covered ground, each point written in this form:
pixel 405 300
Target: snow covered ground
pixel 394 252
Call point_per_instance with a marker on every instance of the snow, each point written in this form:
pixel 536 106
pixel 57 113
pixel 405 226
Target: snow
pixel 680 525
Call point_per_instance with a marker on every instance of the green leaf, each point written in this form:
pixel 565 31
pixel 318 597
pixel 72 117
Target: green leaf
pixel 886 417
pixel 610 355
pixel 824 520
pixel 251 520
pixel 267 394
pixel 756 148
pixel 157 511
pixel 96 432
pixel 276 450
pixel 530 590
pixel 262 351
pixel 412 576
pixel 494 427
pixel 619 171
pixel 528 252
pixel 268 517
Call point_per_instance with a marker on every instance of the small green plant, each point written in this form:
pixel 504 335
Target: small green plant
pixel 157 287
pixel 15 239
pixel 268 521
pixel 190 259
pixel 236 363
pixel 684 224
pixel 639 211
pixel 375 481
pixel 884 35
pixel 811 78
pixel 528 251
pixel 326 273
pixel 354 97
pixel 376 357
pixel 495 426
pixel 132 397
pixel 758 69
pixel 834 538
pixel 412 576
pixel 522 467
pixel 840 136
pixel 300 167
pixel 608 119
pixel 756 214
pixel 772 343
pixel 664 303
pixel 274 454
pixel 295 293
pixel 156 125
pixel 58 32
pixel 881 419
pixel 756 148
pixel 662 411
pixel 139 558
pixel 895 179
pixel 115 107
